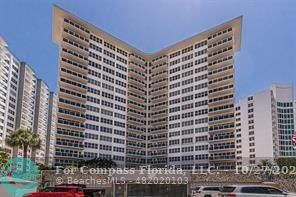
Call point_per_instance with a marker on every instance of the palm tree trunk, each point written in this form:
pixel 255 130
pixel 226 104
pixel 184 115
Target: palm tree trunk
pixel 25 150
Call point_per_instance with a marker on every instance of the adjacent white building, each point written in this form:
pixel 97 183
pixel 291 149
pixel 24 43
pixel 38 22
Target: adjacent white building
pixel 51 129
pixel 265 123
pixel 25 102
pixel 9 82
pixel 41 119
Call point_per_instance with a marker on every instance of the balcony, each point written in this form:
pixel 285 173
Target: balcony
pixel 73 80
pixel 137 59
pixel 139 66
pixel 135 105
pixel 70 126
pixel 157 145
pixel 70 144
pixel 136 97
pixel 220 36
pixel 219 101
pixel 215 83
pixel 219 138
pixel 140 130
pixel 80 109
pixel 73 55
pixel 159 75
pixel 163 122
pixel 70 24
pixel 70 33
pixel 214 120
pixel 159 91
pixel 159 60
pixel 69 155
pixel 136 82
pixel 136 74
pixel 215 111
pixel 222 128
pixel 131 144
pixel 135 89
pixel 70 134
pixel 219 147
pixel 135 123
pixel 222 158
pixel 222 90
pixel 220 53
pixel 138 137
pixel 136 153
pixel 221 43
pixel 74 46
pixel 158 99
pixel 74 68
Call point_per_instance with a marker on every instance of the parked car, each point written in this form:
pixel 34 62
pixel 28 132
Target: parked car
pixel 253 191
pixel 93 192
pixel 206 191
pixel 59 191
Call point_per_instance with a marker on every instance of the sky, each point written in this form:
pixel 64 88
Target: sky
pixel 268 45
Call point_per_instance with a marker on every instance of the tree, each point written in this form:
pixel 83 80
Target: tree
pixel 264 163
pixel 286 161
pixel 25 139
pixel 4 156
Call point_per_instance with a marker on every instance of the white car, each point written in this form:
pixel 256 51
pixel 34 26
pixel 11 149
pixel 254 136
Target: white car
pixel 206 191
pixel 253 191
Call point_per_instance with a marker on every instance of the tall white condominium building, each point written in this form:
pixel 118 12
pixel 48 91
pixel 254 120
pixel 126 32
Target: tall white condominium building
pixel 41 119
pixel 51 129
pixel 172 107
pixel 36 110
pixel 9 75
pixel 265 125
pixel 25 102
pixel 45 123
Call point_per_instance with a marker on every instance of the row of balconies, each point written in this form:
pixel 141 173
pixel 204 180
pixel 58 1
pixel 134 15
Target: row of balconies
pixel 219 147
pixel 157 145
pixel 68 32
pixel 75 46
pixel 222 127
pixel 74 55
pixel 71 155
pixel 221 137
pixel 136 136
pixel 220 53
pixel 68 133
pixel 70 144
pixel 76 26
pixel 220 43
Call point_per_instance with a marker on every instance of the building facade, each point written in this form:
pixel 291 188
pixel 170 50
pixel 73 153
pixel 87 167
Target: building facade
pixel 9 82
pixel 265 125
pixel 172 107
pixel 24 103
pixel 51 129
pixel 41 119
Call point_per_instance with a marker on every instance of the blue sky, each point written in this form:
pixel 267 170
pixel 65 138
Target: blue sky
pixel 268 50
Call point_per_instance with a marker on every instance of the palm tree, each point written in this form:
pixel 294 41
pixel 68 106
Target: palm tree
pixel 264 164
pixel 25 139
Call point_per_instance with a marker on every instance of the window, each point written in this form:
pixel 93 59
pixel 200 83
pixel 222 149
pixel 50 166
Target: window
pixel 260 190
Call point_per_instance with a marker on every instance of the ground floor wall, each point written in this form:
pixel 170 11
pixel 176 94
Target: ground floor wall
pixel 126 185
